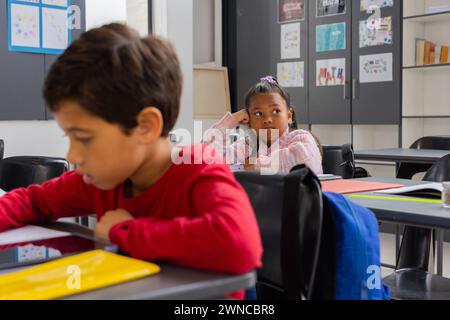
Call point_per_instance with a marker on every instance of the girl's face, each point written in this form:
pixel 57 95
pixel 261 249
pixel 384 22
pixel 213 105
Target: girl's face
pixel 268 111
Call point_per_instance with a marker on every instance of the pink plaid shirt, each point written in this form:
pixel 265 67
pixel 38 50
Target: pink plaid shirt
pixel 291 149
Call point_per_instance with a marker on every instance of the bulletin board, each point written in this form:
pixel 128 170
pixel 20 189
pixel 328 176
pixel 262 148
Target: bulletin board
pixel 38 26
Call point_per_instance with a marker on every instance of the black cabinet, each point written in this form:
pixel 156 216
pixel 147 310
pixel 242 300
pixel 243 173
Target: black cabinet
pixel 329 96
pixel 377 102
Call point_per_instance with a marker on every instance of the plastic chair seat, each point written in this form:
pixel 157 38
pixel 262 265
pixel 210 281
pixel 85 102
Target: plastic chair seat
pixel 413 284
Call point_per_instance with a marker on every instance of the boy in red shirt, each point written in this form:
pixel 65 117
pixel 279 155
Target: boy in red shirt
pixel 117 96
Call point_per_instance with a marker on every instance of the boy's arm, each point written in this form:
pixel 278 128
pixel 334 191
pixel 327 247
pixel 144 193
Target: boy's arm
pixel 302 149
pixel 65 196
pixel 222 236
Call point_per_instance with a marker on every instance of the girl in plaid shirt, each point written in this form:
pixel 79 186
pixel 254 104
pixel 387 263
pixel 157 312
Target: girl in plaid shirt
pixel 280 146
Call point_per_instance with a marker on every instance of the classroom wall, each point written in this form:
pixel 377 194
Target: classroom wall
pixel 180 32
pixel 204 31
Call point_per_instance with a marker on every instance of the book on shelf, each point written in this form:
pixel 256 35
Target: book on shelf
pixel 437 57
pixel 428 53
pixel 420 51
pixel 427 190
pixel 444 54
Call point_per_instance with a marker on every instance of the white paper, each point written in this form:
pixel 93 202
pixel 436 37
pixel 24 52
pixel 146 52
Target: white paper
pixel 376 68
pixel 290 41
pixel 419 187
pixel 291 74
pixel 29 233
pixel 59 3
pixel 366 4
pixel 375 32
pixel 25 26
pixel 55 34
pixel 330 72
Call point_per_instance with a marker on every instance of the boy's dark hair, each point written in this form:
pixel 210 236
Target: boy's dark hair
pixel 114 73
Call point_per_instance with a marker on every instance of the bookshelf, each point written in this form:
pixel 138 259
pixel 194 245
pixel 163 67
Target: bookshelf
pixel 426 94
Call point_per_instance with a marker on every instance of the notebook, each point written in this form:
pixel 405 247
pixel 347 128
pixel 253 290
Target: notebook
pixel 353 186
pixel 73 275
pixel 428 190
pixel 328 177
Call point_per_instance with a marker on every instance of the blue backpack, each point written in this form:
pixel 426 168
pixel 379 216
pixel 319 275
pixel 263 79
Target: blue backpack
pixel 358 267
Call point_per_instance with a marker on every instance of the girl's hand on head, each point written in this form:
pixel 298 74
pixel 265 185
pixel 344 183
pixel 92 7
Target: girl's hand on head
pixel 242 116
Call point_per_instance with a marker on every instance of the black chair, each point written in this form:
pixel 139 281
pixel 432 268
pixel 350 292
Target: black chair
pixel 340 161
pixel 411 280
pixel 407 170
pixel 289 214
pixel 19 172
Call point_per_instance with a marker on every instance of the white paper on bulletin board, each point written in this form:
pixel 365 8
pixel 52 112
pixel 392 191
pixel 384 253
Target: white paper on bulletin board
pixel 54 29
pixel 25 26
pixel 291 74
pixel 58 3
pixel 290 41
pixel 376 68
pixel 211 92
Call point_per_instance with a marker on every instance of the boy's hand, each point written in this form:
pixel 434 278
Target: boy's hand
pixel 242 116
pixel 109 220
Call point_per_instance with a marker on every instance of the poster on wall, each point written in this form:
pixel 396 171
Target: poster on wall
pixel 366 4
pixel 375 32
pixel 291 10
pixel 376 68
pixel 327 8
pixel 38 26
pixel 290 41
pixel 24 26
pixel 291 74
pixel 330 37
pixel 330 72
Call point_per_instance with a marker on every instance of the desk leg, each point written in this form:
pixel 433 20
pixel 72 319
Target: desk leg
pixel 440 251
pixel 397 242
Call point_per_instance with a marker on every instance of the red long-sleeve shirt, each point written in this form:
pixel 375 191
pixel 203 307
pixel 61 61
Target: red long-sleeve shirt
pixel 196 215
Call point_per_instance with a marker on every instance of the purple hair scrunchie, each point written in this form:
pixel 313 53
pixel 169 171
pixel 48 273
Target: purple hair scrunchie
pixel 269 80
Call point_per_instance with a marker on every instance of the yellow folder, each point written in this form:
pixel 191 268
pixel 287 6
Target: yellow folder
pixel 73 275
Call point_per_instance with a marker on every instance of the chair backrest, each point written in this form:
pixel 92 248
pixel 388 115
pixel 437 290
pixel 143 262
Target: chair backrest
pixel 339 160
pixel 407 170
pixel 20 172
pixel 289 214
pixel 432 142
pixel 440 171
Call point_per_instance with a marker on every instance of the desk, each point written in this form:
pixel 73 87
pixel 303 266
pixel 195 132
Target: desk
pixel 425 215
pixel 423 156
pixel 172 282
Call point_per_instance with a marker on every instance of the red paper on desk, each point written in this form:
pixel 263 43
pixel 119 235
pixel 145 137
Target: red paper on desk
pixel 353 186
